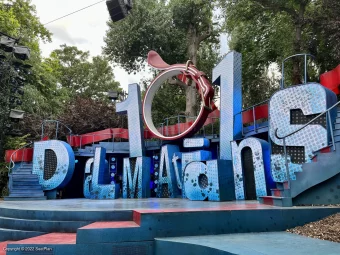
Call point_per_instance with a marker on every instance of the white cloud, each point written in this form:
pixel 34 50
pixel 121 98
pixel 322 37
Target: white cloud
pixel 85 29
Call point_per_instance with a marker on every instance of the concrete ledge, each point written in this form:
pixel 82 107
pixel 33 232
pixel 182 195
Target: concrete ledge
pixel 278 243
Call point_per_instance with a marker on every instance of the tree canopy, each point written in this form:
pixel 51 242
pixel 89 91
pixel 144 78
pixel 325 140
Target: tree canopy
pixel 177 29
pixel 268 31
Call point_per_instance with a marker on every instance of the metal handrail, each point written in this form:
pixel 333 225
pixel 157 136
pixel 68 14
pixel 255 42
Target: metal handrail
pixel 57 123
pixel 94 135
pixel 305 55
pixel 310 122
pixel 254 114
pixel 11 162
pixel 166 123
pixel 251 107
pixel 299 129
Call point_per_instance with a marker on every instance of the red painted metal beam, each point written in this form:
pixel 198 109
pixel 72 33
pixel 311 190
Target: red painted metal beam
pixel 23 155
pixel 331 80
pixel 261 112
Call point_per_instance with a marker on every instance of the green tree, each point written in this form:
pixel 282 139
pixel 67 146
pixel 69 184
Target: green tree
pixel 268 31
pixel 176 29
pixel 75 73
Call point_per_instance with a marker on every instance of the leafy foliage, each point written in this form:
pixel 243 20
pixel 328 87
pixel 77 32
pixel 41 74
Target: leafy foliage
pixel 268 31
pixel 178 30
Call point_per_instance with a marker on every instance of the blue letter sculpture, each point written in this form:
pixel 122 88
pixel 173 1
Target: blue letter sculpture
pixel 261 161
pixel 167 173
pixel 311 99
pixel 64 164
pixel 95 186
pixel 136 171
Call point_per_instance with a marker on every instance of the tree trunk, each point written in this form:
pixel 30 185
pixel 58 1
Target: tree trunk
pixel 191 100
pixel 299 23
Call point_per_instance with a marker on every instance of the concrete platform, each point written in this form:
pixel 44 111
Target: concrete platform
pixel 278 243
pixel 103 226
pixel 153 204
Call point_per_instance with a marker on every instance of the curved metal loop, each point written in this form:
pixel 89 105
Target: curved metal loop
pixel 305 55
pixel 188 64
pixel 203 86
pixel 310 122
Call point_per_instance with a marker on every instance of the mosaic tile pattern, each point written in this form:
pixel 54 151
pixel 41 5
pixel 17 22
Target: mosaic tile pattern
pixel 95 186
pixel 177 163
pixel 311 99
pixel 132 106
pixel 196 156
pixel 196 143
pixel 259 167
pixel 65 164
pixel 279 171
pixel 136 177
pixel 167 177
pixel 201 181
pixel 228 74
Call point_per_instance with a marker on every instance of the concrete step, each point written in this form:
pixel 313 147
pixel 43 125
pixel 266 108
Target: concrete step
pixel 46 213
pixel 49 244
pixel 282 185
pixel 22 172
pixel 12 234
pixel 280 192
pixel 24 198
pixel 27 187
pixel 26 176
pixel 42 225
pixel 337 138
pixel 276 201
pixel 336 131
pixel 25 181
pixel 26 193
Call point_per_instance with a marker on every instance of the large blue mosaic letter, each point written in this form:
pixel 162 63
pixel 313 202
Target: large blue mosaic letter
pixel 132 107
pixel 95 186
pixel 311 98
pixel 261 161
pixel 136 177
pixel 195 156
pixel 64 168
pixel 212 181
pixel 167 175
pixel 228 74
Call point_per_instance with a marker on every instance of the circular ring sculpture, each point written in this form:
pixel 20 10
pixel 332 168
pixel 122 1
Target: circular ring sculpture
pixel 188 70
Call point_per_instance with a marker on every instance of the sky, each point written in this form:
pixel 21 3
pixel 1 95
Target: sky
pixel 85 29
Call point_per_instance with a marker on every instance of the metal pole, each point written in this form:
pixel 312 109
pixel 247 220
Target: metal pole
pixel 242 127
pixel 179 126
pixel 254 118
pixel 22 157
pixel 212 128
pixel 167 127
pixel 42 130
pixel 283 75
pixel 56 132
pixel 286 162
pixel 305 68
pixel 331 128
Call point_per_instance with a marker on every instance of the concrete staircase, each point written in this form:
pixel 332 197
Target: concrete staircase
pixel 324 166
pixel 17 224
pixel 23 185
